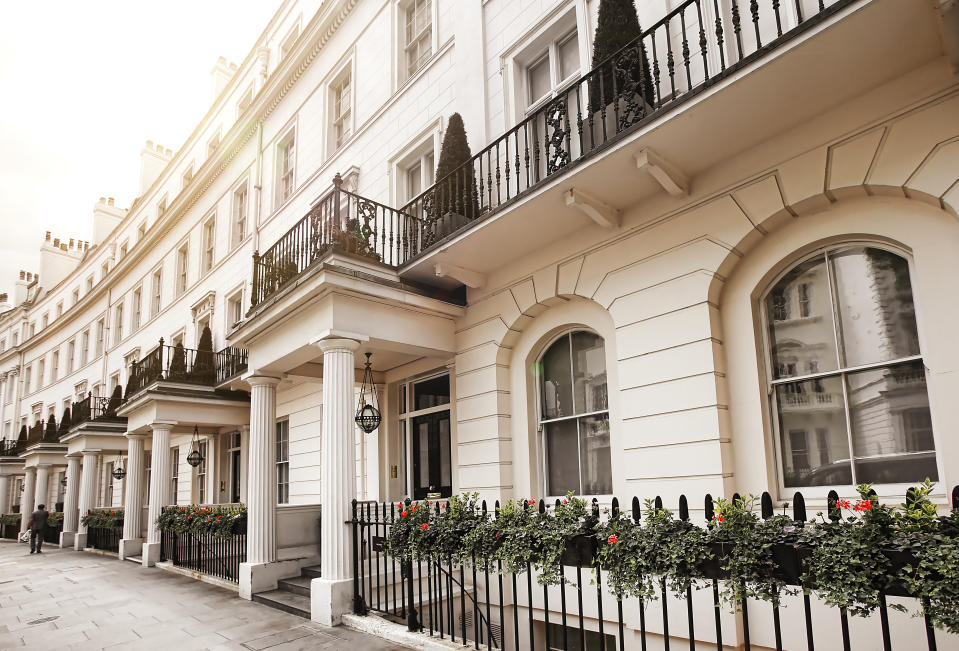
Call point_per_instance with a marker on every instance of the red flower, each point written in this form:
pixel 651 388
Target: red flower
pixel 718 518
pixel 429 503
pixel 863 505
pixel 424 526
pixel 496 535
pixel 565 502
pixel 532 502
pixel 612 539
pixel 219 517
pixel 404 514
pixel 413 509
pixel 842 504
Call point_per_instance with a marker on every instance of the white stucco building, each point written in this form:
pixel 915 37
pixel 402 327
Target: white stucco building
pixel 736 275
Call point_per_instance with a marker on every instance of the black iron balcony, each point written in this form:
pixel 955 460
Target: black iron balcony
pixel 692 48
pixel 9 448
pixel 94 408
pixel 177 364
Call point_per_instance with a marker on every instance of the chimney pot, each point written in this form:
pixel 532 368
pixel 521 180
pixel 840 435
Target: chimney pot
pixel 48 236
pixel 63 246
pixel 71 242
pixel 169 152
pixel 110 201
pixel 102 200
pixel 23 274
pixel 3 298
pixel 149 144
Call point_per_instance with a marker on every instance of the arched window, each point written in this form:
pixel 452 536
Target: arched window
pixel 574 416
pixel 848 383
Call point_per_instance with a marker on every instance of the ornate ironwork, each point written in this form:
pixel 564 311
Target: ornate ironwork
pixel 367 415
pixel 557 131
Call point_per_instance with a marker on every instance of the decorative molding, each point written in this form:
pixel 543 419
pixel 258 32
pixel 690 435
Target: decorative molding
pixel 204 306
pixel 600 212
pixel 666 174
pixel 467 277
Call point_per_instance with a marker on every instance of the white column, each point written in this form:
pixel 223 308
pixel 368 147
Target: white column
pixel 130 544
pixel 261 476
pixel 212 488
pixel 88 494
pixel 331 594
pixel 71 502
pixel 4 492
pixel 42 490
pixel 26 497
pixel 161 474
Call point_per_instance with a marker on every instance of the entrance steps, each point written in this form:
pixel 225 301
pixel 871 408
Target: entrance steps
pixel 292 595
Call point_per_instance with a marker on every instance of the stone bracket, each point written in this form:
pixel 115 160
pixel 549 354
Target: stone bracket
pixel 601 213
pixel 469 278
pixel 665 173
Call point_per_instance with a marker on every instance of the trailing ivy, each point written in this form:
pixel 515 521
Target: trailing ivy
pixel 220 521
pixel 103 518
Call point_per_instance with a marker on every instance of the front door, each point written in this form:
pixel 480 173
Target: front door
pixel 432 468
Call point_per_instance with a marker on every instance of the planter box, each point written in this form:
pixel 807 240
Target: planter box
pixel 713 568
pixel 447 224
pixel 580 551
pixel 239 527
pixel 788 559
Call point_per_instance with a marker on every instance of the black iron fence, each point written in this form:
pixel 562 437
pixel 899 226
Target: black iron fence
pixel 184 365
pixel 219 557
pixel 481 604
pixel 230 362
pixel 10 448
pixel 105 538
pixel 340 220
pixel 92 408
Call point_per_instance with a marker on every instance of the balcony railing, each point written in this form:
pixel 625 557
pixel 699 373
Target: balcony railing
pixel 230 362
pixel 10 448
pixel 185 365
pixel 92 408
pixel 690 49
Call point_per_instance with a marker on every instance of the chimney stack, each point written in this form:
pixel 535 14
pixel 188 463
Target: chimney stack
pixel 4 303
pixel 20 288
pixel 106 216
pixel 57 260
pixel 222 73
pixel 153 158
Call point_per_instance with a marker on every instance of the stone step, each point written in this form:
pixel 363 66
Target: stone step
pixel 297 585
pixel 313 571
pixel 135 559
pixel 295 604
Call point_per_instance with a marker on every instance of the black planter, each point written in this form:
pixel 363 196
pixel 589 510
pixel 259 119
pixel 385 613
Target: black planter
pixel 713 568
pixel 788 562
pixel 239 526
pixel 580 551
pixel 447 224
pixel 899 560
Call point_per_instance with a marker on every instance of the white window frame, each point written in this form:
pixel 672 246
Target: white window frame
pixel 285 164
pixel 187 177
pixel 71 355
pixel 288 41
pixel 240 220
pixel 426 144
pixel 161 206
pixel 213 144
pixel 245 101
pixel 55 365
pixel 340 123
pixel 235 298
pixel 85 347
pixel 174 473
pixel 541 421
pixel 208 236
pixel 182 279
pixel 156 292
pixel 41 371
pixel 282 427
pixel 118 323
pixel 770 381
pixel 401 10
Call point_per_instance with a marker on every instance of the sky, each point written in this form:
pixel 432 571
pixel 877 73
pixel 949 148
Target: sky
pixel 83 85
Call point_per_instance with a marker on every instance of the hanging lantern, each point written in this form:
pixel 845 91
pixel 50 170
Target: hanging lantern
pixel 119 472
pixel 195 458
pixel 367 415
pixel 63 480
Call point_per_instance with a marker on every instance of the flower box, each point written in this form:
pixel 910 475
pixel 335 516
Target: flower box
pixel 580 551
pixel 713 568
pixel 788 559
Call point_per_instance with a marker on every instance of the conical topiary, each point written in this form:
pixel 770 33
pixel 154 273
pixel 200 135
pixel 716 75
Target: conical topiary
pixel 455 189
pixel 116 399
pixel 177 363
pixel 616 27
pixel 203 370
pixel 65 421
pixel 50 433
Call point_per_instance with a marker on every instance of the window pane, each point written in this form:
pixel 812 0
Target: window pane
pixel 589 372
pixel 874 299
pixel 446 465
pixel 539 82
pixel 432 393
pixel 557 380
pixel 562 458
pixel 813 406
pixel 568 56
pixel 891 425
pixel 799 313
pixel 594 455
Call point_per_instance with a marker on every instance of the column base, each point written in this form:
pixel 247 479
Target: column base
pixel 80 541
pixel 151 554
pixel 263 577
pixel 66 539
pixel 330 600
pixel 130 547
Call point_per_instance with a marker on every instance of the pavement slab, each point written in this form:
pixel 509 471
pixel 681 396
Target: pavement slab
pixel 65 599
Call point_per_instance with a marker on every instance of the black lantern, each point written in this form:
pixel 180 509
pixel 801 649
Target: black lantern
pixel 195 458
pixel 367 415
pixel 63 480
pixel 119 472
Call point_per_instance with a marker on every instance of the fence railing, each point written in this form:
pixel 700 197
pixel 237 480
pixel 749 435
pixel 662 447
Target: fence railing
pixel 91 408
pixel 219 557
pixel 185 365
pixel 105 538
pixel 340 220
pixel 480 604
pixel 10 448
pixel 230 362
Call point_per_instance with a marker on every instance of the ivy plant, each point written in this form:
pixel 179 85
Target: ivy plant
pixel 219 521
pixel 103 518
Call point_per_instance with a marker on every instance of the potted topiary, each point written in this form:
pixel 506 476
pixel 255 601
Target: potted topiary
pixel 203 371
pixel 50 433
pixel 454 198
pixel 177 371
pixel 619 75
pixel 116 399
pixel 65 421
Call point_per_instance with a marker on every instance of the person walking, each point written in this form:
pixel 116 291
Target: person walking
pixel 37 526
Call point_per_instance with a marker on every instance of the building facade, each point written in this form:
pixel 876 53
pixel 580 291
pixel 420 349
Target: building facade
pixel 721 265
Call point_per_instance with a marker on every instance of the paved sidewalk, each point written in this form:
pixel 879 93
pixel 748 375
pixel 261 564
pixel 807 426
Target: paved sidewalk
pixel 63 599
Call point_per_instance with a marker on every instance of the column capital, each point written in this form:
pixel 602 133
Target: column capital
pixel 73 455
pixel 262 380
pixel 91 453
pixel 137 435
pixel 45 465
pixel 163 424
pixel 328 345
